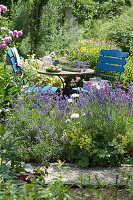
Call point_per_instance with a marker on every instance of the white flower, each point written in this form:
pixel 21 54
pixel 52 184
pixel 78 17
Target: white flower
pixel 97 86
pixel 70 100
pixel 75 95
pixel 68 120
pixel 7 110
pixel 74 115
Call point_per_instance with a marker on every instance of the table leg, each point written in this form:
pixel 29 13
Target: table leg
pixel 66 85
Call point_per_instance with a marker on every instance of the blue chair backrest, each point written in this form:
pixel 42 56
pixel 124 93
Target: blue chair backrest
pixel 13 62
pixel 15 67
pixel 112 60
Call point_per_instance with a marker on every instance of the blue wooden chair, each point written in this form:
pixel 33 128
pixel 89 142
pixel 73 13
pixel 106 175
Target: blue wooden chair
pixel 17 70
pixel 110 61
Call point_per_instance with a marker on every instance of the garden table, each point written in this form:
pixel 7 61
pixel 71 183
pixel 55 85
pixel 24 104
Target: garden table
pixel 65 77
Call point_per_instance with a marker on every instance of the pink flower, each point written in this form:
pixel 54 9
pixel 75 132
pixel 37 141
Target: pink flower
pixel 15 32
pixel 3 29
pixel 50 85
pixel 89 83
pixel 40 83
pixel 2 42
pixel 4 45
pixel 77 79
pixel 4 8
pixel 6 39
pixel 123 92
pixel 53 82
pixel 10 39
pixel 120 86
pixel 10 33
pixel 127 97
pixel 20 33
pixel 0 46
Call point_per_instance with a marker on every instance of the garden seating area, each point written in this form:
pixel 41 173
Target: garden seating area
pixel 56 108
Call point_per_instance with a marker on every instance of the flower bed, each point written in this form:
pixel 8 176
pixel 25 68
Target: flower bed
pixel 94 129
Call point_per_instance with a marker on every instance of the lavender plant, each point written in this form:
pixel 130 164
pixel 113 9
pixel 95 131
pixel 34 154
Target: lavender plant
pixel 94 129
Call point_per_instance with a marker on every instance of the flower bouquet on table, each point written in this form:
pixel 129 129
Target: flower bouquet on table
pixel 53 68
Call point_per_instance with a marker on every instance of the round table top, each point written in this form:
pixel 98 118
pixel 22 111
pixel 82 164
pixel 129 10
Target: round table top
pixel 66 73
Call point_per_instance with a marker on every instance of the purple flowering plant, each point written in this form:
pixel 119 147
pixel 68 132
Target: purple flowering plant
pixel 95 124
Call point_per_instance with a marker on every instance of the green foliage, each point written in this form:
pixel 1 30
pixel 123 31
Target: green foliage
pixel 127 76
pixel 120 29
pixel 110 9
pixel 45 29
pixel 10 85
pixel 21 21
pixel 56 189
pixel 10 167
pixel 54 35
